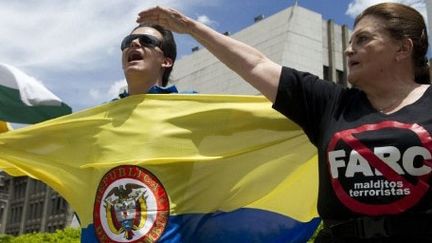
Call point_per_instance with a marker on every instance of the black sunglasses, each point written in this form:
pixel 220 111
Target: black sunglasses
pixel 144 40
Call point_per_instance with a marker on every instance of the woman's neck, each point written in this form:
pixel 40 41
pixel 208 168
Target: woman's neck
pixel 396 96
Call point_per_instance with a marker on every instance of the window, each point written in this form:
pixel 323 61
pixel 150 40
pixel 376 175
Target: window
pixel 340 77
pixel 326 73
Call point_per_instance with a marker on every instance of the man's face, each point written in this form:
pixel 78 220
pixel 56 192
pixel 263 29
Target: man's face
pixel 142 61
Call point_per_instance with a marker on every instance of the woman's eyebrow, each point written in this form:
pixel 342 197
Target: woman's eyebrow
pixel 355 34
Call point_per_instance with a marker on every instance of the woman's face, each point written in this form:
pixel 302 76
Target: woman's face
pixel 371 52
pixel 141 60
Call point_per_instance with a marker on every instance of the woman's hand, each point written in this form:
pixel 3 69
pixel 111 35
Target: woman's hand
pixel 166 17
pixel 243 59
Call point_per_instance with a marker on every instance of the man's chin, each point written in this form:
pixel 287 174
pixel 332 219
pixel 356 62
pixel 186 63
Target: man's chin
pixel 133 69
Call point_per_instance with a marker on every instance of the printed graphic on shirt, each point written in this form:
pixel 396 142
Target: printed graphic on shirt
pixel 131 206
pixel 381 168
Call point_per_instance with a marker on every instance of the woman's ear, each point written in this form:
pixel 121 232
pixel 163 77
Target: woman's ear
pixel 168 62
pixel 405 49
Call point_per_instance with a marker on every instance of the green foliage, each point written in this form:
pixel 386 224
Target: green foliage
pixel 68 235
pixel 5 238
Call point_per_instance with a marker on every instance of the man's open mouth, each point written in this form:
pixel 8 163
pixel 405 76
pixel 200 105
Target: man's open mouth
pixel 135 56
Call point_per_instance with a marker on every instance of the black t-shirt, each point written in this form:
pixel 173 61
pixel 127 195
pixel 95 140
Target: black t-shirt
pixel 370 163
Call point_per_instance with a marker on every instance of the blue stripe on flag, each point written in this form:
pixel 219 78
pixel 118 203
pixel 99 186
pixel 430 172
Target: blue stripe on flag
pixel 242 225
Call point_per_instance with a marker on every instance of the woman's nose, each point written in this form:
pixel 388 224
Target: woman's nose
pixel 349 51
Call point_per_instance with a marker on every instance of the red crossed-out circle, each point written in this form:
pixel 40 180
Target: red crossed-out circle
pixel 417 191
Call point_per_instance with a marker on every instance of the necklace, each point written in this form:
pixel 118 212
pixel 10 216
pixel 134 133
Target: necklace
pixel 410 97
pixel 386 108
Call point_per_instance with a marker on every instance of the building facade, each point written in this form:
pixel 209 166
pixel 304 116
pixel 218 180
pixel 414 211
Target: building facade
pixel 31 206
pixel 295 37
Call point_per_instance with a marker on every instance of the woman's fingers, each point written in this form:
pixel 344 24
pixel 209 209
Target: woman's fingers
pixel 166 17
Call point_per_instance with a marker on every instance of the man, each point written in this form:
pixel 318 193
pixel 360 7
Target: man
pixel 148 56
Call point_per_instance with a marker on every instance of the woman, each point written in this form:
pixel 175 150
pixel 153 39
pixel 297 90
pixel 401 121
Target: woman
pixel 373 140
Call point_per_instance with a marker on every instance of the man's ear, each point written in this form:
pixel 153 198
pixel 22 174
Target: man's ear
pixel 405 49
pixel 168 62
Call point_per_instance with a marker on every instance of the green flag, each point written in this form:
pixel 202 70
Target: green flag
pixel 23 99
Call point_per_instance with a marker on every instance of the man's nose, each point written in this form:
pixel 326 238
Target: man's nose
pixel 135 43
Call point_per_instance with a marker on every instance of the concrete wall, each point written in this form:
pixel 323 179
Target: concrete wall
pixel 294 37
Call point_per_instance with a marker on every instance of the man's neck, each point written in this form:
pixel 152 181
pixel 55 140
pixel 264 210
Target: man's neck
pixel 139 86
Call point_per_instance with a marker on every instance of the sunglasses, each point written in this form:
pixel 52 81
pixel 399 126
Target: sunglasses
pixel 144 40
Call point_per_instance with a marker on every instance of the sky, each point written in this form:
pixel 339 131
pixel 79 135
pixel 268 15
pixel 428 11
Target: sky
pixel 73 46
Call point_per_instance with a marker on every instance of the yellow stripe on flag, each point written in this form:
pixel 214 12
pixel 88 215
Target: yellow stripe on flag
pixel 210 153
pixel 4 127
pixel 12 170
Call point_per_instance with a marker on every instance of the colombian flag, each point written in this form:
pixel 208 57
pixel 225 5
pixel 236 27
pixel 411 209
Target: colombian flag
pixel 176 168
